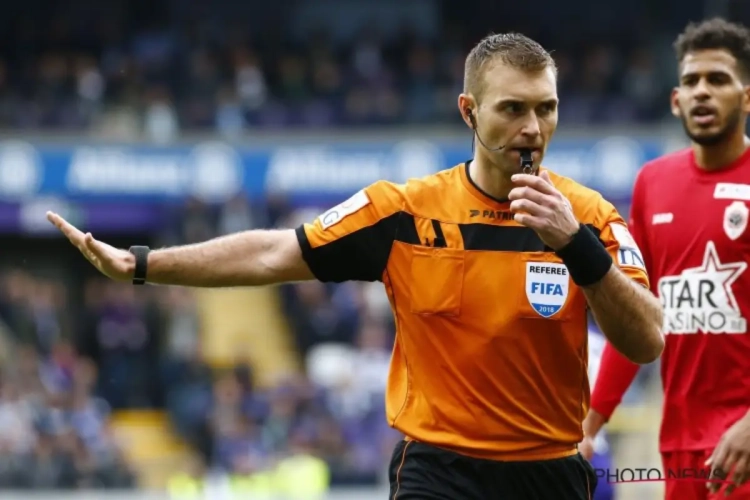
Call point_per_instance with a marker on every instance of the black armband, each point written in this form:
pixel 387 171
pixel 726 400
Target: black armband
pixel 585 257
pixel 141 264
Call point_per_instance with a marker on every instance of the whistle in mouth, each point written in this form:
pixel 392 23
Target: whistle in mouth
pixel 527 162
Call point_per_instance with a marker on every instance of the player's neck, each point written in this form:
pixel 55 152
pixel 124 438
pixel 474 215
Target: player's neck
pixel 490 178
pixel 718 156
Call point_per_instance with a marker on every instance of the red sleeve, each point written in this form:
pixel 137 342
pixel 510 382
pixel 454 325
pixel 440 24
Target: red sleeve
pixel 616 373
pixel 637 224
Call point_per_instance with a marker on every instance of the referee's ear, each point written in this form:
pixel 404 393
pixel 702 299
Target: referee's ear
pixel 467 108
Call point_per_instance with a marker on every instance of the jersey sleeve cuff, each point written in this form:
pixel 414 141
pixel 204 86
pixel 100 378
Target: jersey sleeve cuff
pixel 604 407
pixel 307 251
pixel 637 276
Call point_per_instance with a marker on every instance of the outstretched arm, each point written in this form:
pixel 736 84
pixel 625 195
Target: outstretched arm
pixel 351 241
pixel 249 258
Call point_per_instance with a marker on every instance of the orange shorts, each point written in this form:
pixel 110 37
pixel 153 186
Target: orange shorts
pixel 693 489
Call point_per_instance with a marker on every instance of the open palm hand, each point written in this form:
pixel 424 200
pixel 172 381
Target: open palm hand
pixel 112 262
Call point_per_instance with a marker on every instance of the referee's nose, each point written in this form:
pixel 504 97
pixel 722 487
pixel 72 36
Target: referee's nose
pixel 531 128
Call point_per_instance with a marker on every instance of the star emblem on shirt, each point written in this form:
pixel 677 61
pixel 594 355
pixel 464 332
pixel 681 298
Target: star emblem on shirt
pixel 726 274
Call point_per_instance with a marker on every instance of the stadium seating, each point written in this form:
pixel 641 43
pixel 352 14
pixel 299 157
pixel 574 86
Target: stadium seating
pixel 247 323
pixel 150 445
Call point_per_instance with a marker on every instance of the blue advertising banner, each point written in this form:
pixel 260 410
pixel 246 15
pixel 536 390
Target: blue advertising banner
pixel 117 176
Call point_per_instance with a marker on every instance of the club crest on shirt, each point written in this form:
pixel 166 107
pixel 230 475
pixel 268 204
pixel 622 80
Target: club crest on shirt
pixel 546 287
pixel 735 219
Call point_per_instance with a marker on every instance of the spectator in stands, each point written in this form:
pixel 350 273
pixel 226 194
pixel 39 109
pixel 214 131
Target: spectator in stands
pixel 16 419
pixel 239 449
pixel 122 334
pixel 55 434
pixel 48 466
pixel 196 222
pixel 15 306
pixel 161 123
pixel 283 415
pixel 182 333
pixel 184 375
pixel 162 79
pixel 238 215
pixel 51 398
pixel 277 211
pixel 316 318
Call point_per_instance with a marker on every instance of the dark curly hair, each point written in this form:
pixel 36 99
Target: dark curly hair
pixel 716 34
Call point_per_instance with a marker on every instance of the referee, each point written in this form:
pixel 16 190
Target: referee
pixel 490 267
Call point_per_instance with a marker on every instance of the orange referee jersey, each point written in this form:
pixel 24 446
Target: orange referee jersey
pixel 491 351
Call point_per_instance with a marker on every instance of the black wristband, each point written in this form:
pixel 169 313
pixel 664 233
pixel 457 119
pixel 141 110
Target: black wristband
pixel 141 264
pixel 585 257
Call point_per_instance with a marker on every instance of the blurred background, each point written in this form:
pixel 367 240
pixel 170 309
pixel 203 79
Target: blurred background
pixel 164 122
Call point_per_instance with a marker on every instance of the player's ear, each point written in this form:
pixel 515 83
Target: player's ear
pixel 467 106
pixel 674 102
pixel 746 100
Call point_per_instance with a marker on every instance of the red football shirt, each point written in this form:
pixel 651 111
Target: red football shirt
pixel 692 228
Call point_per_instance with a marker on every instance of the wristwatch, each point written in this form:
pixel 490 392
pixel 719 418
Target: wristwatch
pixel 141 263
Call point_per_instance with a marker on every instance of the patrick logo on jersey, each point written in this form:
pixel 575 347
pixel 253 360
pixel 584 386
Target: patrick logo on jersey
pixel 701 299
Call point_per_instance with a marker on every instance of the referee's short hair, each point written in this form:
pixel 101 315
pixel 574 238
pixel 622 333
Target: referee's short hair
pixel 514 49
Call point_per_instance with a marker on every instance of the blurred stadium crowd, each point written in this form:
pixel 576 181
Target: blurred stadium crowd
pixel 136 68
pixel 120 69
pixel 66 368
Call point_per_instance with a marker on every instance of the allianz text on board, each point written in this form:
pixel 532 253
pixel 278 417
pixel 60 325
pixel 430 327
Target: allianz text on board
pixel 326 171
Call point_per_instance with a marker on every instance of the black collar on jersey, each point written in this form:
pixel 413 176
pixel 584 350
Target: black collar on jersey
pixel 468 176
